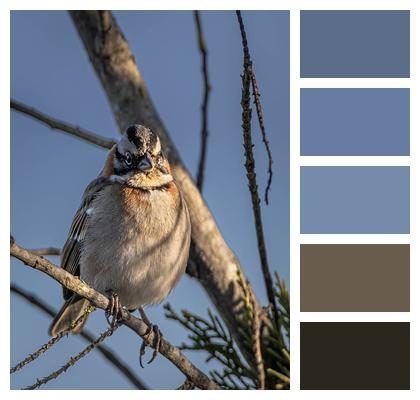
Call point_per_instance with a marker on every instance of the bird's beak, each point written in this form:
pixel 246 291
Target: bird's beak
pixel 145 164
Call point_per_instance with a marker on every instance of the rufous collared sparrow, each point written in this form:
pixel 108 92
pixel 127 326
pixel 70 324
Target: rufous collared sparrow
pixel 130 237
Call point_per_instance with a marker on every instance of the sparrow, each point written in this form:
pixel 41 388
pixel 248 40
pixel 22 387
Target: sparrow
pixel 130 237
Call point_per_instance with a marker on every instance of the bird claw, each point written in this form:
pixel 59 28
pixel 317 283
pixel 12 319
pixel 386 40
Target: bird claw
pixel 157 342
pixel 114 309
pixel 143 345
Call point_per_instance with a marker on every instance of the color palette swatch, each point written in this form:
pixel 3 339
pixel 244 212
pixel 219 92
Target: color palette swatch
pixel 355 277
pixel 355 122
pixel 355 44
pixel 354 200
pixel 355 355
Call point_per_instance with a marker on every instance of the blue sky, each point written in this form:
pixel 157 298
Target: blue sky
pixel 49 170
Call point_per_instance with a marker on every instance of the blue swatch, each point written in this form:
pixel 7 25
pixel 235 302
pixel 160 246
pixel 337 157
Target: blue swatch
pixel 350 44
pixel 355 200
pixel 350 122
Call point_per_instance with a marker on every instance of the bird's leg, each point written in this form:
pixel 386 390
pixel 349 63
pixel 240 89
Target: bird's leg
pixel 114 308
pixel 157 339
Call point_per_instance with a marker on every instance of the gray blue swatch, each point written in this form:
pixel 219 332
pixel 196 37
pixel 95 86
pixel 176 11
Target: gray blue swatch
pixel 350 122
pixel 350 44
pixel 355 200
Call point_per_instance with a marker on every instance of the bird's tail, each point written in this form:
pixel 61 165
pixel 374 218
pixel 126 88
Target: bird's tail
pixel 72 310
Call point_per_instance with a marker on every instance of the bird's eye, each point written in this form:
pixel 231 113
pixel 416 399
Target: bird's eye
pixel 128 159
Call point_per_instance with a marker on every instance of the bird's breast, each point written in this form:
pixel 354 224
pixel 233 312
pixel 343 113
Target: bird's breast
pixel 137 243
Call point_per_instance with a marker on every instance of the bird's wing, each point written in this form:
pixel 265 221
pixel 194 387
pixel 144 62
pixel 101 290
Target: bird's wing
pixel 70 259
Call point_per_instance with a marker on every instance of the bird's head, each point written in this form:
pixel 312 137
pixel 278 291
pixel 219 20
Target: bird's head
pixel 139 160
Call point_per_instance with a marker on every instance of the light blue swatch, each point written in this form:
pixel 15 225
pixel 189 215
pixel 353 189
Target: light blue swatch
pixel 355 200
pixel 355 44
pixel 350 122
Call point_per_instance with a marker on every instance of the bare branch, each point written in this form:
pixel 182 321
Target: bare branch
pixel 212 262
pixel 100 301
pixel 73 360
pixel 259 109
pixel 33 356
pixel 187 385
pixel 62 126
pixel 256 333
pixel 204 107
pixel 250 167
pixel 257 103
pixel 104 350
pixel 47 251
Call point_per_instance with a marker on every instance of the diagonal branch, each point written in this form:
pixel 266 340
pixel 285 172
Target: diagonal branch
pixel 46 251
pixel 52 342
pixel 104 350
pixel 256 93
pixel 212 262
pixel 187 385
pixel 98 300
pixel 62 126
pixel 258 106
pixel 256 337
pixel 73 360
pixel 204 107
pixel 250 168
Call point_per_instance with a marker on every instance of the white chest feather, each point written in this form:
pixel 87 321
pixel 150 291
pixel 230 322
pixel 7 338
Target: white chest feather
pixel 137 244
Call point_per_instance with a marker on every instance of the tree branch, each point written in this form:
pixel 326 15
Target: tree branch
pixel 62 126
pixel 97 299
pixel 204 107
pixel 47 251
pixel 73 360
pixel 104 350
pixel 256 336
pixel 212 262
pixel 187 385
pixel 256 93
pixel 250 168
pixel 52 342
pixel 258 105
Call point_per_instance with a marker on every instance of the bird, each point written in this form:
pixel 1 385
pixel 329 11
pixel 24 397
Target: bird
pixel 130 237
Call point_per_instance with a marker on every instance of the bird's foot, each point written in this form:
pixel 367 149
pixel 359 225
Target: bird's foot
pixel 157 340
pixel 114 309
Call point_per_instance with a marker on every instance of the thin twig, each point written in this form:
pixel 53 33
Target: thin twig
pixel 73 360
pixel 256 331
pixel 62 126
pixel 258 106
pixel 173 354
pixel 250 167
pixel 47 251
pixel 259 109
pixel 104 350
pixel 204 105
pixel 48 345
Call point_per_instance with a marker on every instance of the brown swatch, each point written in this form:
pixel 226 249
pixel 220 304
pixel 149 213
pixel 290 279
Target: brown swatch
pixel 355 277
pixel 355 355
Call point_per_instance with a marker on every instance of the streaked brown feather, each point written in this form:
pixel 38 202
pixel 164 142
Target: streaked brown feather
pixel 72 249
pixel 109 163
